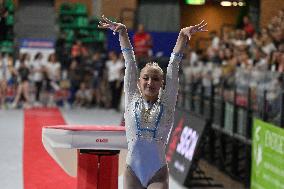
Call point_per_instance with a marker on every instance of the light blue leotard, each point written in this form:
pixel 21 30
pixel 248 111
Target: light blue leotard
pixel 147 138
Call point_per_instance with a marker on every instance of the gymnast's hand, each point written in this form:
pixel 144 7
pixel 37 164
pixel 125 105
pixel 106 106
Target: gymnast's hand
pixel 114 26
pixel 189 31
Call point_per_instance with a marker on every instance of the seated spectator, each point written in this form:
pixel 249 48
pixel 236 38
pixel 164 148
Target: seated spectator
pixel 83 96
pixel 267 44
pixel 281 64
pixel 259 59
pixel 190 58
pixel 276 59
pixel 63 94
pixel 256 40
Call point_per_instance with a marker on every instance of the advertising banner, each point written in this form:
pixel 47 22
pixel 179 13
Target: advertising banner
pixel 33 46
pixel 267 156
pixel 184 144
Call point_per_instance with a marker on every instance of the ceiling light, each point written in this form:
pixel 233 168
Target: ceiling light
pixel 226 3
pixel 195 2
pixel 241 3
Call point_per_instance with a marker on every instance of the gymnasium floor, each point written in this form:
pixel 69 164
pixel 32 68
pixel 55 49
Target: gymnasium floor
pixel 11 145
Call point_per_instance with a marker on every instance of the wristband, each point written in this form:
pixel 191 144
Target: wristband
pixel 126 49
pixel 180 55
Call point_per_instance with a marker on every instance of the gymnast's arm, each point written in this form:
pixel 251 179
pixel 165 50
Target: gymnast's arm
pixel 171 88
pixel 131 73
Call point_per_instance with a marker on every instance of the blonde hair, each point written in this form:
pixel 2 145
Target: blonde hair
pixel 154 65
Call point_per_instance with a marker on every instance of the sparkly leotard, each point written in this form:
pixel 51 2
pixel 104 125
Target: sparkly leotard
pixel 148 125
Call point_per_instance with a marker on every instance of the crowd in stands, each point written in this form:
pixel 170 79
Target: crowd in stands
pixel 240 59
pixel 89 80
pixel 78 76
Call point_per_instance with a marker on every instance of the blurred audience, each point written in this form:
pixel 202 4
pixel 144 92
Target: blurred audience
pixel 239 59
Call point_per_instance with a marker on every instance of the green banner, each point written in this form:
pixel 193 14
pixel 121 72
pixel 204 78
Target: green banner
pixel 267 156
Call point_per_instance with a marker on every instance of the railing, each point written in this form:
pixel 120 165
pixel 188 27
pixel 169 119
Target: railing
pixel 230 112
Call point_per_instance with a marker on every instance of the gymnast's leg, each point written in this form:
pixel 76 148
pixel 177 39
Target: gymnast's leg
pixel 130 180
pixel 160 180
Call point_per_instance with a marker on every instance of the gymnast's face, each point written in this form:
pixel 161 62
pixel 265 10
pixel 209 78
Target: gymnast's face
pixel 150 82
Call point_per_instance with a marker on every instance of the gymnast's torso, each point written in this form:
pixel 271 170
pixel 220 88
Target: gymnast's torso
pixel 148 125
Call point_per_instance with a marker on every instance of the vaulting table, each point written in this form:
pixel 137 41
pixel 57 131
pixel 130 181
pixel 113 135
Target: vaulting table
pixel 89 152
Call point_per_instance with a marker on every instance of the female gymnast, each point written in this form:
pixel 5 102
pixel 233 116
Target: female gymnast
pixel 149 110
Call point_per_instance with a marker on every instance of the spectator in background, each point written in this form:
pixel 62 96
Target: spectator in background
pixel 259 59
pixel 83 96
pixel 105 91
pixel 75 79
pixel 215 40
pixel 244 60
pixel 17 62
pixel 267 44
pixel 3 81
pixel 23 84
pixel 53 71
pixel 97 70
pixel 248 26
pixel 281 64
pixel 256 40
pixel 190 58
pixel 62 52
pixel 78 51
pixel 142 45
pixel 11 80
pixel 37 67
pixel 114 66
pixel 25 57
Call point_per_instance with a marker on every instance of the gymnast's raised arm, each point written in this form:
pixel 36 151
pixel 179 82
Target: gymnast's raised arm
pixel 131 74
pixel 184 36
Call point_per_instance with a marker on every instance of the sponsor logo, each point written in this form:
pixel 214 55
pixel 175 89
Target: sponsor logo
pixel 187 144
pixel 102 140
